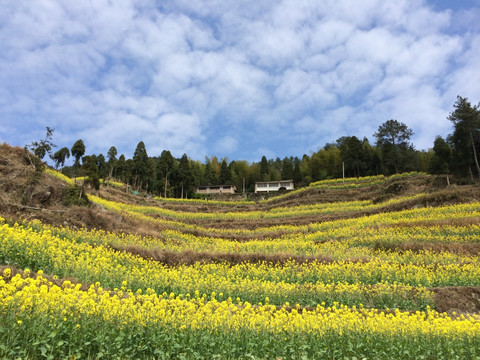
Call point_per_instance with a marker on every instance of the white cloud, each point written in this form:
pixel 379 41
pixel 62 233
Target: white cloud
pixel 226 145
pixel 185 75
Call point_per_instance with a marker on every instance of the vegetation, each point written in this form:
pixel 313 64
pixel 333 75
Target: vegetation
pixel 358 286
pixel 380 266
pixel 392 154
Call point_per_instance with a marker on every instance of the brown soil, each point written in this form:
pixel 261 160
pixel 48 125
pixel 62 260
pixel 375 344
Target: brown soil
pixel 458 299
pixel 190 257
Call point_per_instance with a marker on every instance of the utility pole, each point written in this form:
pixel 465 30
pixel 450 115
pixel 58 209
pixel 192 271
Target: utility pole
pixel 343 171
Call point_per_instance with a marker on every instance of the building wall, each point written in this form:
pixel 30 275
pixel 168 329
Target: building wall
pixel 217 189
pixel 269 186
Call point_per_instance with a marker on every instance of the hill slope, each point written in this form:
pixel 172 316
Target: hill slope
pixel 372 262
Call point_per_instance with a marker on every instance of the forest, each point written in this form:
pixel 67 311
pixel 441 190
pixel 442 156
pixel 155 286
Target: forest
pixel 393 152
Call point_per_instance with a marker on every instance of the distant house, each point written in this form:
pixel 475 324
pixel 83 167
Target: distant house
pixel 216 189
pixel 269 186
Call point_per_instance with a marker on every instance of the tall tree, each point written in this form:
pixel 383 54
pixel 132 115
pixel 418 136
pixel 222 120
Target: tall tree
pixel 184 174
pixel 225 174
pixel 164 168
pixel 466 119
pixel 111 160
pixel 141 166
pixel 287 169
pixel 91 171
pixel 353 155
pixel 263 169
pixel 297 174
pixel 240 170
pixel 209 176
pixel 60 156
pixel 102 166
pixel 121 168
pixel 440 162
pixel 77 151
pixel 392 138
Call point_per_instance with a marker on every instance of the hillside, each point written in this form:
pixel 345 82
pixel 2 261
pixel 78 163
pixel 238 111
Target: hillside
pixel 28 195
pixel 385 259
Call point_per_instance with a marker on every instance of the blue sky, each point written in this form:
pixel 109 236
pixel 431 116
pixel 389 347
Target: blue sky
pixel 235 79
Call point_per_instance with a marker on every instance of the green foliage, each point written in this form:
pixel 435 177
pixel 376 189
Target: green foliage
pixel 91 171
pixel 264 169
pixel 74 195
pixel 225 174
pixel 77 151
pixel 354 155
pixel 392 139
pixel 440 162
pixel 42 147
pixel 466 136
pixel 60 156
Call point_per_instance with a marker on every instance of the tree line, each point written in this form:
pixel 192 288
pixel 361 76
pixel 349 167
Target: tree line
pixel 392 153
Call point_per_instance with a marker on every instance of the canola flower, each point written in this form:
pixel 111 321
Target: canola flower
pixel 176 241
pixel 275 213
pixel 360 231
pixel 349 306
pixel 384 283
pixel 149 324
pixel 59 175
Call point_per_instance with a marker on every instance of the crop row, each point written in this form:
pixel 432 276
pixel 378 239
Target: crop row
pixel 377 282
pixel 369 226
pixel 343 245
pixel 40 319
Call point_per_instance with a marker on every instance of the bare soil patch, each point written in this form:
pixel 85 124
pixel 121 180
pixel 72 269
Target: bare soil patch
pixel 458 299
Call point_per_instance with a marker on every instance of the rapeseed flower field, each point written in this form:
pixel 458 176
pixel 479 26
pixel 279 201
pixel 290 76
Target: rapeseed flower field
pixel 358 287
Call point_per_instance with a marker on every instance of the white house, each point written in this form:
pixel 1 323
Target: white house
pixel 216 189
pixel 269 186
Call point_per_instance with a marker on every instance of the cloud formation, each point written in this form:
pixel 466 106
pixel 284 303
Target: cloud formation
pixel 232 79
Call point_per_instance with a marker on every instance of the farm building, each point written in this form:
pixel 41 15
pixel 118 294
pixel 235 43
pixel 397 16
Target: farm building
pixel 216 189
pixel 269 186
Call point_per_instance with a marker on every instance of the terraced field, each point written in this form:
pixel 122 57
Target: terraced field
pixel 380 273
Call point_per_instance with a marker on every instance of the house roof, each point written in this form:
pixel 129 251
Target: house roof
pixel 272 181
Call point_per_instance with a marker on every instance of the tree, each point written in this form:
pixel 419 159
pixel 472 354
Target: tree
pixel 60 156
pixel 91 170
pixel 77 151
pixel 353 155
pixel 287 169
pixel 42 147
pixel 112 160
pixel 184 174
pixel 140 165
pixel 263 168
pixel 297 174
pixel 225 174
pixel 392 139
pixel 164 168
pixel 466 120
pixel 209 176
pixel 122 168
pixel 102 166
pixel 240 174
pixel 440 163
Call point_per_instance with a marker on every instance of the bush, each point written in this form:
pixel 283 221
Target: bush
pixel 74 195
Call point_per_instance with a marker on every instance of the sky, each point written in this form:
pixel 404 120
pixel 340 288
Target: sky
pixel 234 79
